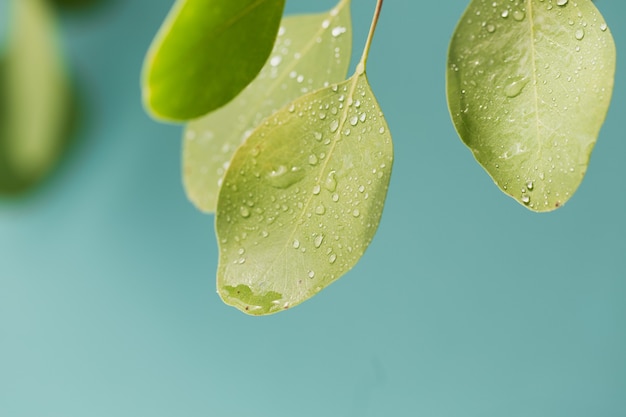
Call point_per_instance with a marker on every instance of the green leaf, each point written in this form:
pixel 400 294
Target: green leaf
pixel 34 98
pixel 302 198
pixel 311 51
pixel 529 85
pixel 205 53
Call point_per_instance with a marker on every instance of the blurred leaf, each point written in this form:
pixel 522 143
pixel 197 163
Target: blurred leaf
pixel 34 98
pixel 75 4
pixel 311 51
pixel 529 85
pixel 302 198
pixel 205 53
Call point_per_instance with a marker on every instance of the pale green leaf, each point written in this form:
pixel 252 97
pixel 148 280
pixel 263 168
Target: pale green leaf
pixel 311 51
pixel 529 84
pixel 302 198
pixel 34 97
pixel 205 53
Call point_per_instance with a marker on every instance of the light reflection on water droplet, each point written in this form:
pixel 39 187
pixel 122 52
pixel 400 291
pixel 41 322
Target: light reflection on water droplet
pixel 579 34
pixel 338 30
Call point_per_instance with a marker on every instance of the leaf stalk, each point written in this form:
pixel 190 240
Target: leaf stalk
pixel 370 36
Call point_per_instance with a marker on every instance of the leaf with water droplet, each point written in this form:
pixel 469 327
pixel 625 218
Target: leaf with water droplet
pixel 306 56
pixel 310 228
pixel 205 53
pixel 35 98
pixel 529 97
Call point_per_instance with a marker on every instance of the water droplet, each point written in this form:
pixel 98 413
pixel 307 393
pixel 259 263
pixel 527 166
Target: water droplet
pixel 334 125
pixel 296 244
pixel 317 136
pixel 316 189
pixel 381 130
pixel 245 213
pixel 331 181
pixel 505 13
pixel 311 274
pixel 338 30
pixel 356 213
pixel 519 15
pixel 320 210
pixel 525 199
pixel 276 60
pixel 318 240
pixel 490 28
pixel 354 120
pixel 332 258
pixel 312 159
pixel 603 27
pixel 325 23
pixel 282 177
pixel 515 86
pixel 530 185
pixel 335 197
pixel 579 34
pixel 561 2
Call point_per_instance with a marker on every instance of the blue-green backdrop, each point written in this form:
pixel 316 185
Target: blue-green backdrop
pixel 466 304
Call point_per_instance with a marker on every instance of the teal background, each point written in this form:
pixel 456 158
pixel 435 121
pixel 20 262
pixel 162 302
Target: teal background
pixel 466 304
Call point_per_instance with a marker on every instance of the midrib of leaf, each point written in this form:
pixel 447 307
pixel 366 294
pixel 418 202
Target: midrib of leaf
pixel 360 72
pixel 323 167
pixel 535 81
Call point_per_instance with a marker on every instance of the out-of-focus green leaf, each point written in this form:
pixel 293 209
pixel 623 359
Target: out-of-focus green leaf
pixel 302 198
pixel 529 84
pixel 205 53
pixel 34 98
pixel 311 51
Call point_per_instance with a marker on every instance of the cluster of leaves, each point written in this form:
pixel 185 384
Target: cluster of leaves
pixel 295 160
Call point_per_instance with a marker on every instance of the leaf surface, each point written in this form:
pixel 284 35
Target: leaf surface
pixel 302 198
pixel 311 51
pixel 205 53
pixel 34 98
pixel 529 84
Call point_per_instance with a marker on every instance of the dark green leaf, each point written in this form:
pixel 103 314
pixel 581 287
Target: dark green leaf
pixel 205 53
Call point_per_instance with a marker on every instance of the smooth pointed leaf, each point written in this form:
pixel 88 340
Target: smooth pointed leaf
pixel 302 198
pixel 311 51
pixel 34 98
pixel 529 84
pixel 205 53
